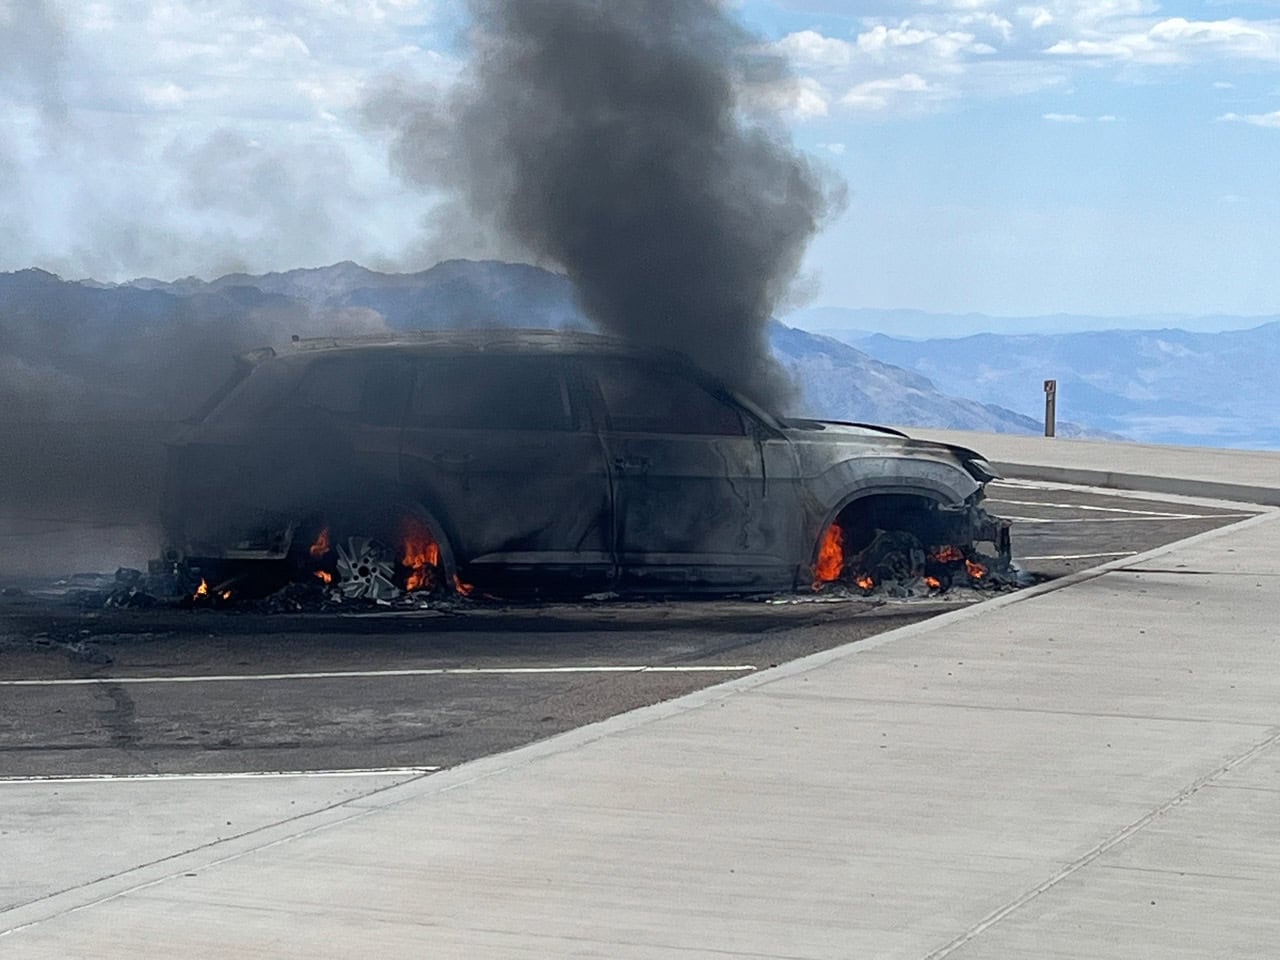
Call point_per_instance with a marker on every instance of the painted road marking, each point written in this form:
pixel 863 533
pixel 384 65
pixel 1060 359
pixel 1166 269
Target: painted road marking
pixel 241 775
pixel 1082 506
pixel 1083 556
pixel 1113 493
pixel 361 674
pixel 1162 517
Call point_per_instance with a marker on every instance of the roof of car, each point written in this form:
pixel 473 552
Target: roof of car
pixel 496 340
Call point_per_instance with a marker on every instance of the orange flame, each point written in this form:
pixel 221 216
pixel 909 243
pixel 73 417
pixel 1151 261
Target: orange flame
pixel 830 555
pixel 225 595
pixel 463 588
pixel 202 590
pixel 421 555
pixel 324 575
pixel 865 581
pixel 932 583
pixel 946 554
pixel 321 546
pixel 975 570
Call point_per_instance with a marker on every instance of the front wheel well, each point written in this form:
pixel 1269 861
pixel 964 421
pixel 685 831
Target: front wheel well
pixel 861 518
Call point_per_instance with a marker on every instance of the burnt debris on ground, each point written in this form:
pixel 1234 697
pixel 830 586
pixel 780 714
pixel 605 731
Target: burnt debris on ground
pixel 897 564
pixel 894 566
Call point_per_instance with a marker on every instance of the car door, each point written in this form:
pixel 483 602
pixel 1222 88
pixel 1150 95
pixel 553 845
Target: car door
pixel 494 446
pixel 691 499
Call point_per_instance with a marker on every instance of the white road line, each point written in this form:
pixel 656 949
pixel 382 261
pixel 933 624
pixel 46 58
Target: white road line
pixel 357 674
pixel 242 775
pixel 1162 517
pixel 1114 493
pixel 1080 506
pixel 1082 556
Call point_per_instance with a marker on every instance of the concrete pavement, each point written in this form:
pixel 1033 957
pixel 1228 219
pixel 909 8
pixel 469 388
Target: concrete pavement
pixel 1244 475
pixel 1084 769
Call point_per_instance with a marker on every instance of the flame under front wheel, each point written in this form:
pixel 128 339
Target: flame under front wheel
pixel 366 569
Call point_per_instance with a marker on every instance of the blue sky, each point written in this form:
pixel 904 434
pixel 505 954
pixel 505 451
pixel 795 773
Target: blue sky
pixel 1007 156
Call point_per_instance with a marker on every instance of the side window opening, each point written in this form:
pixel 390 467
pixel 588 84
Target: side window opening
pixel 644 399
pixel 491 393
pixel 370 391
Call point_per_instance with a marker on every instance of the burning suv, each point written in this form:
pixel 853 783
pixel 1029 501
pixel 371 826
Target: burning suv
pixel 521 460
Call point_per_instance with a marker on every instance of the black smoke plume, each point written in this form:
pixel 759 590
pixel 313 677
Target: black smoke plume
pixel 614 140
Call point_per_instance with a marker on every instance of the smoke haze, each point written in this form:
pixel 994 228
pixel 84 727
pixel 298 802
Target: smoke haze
pixel 611 140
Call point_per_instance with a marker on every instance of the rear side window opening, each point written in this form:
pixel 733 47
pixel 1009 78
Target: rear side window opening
pixel 370 391
pixel 249 396
pixel 491 393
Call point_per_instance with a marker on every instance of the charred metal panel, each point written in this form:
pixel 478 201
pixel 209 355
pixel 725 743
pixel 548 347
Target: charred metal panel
pixel 694 509
pixel 509 470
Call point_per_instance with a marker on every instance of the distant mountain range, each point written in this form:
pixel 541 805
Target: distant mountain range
pixel 1162 386
pixel 854 323
pixel 155 348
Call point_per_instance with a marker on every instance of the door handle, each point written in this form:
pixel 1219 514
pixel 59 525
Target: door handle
pixel 631 463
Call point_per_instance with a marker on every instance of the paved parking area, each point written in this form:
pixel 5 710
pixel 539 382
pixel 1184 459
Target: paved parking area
pixel 1061 528
pixel 170 693
pixel 1077 770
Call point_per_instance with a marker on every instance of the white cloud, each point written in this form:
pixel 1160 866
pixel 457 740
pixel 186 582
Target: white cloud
pixel 1092 48
pixel 1078 118
pixel 879 94
pixel 836 148
pixel 810 99
pixel 1256 119
pixel 993 22
pixel 808 48
pixel 802 98
pixel 1240 36
pixel 880 38
pixel 882 42
pixel 1178 40
pixel 108 130
pixel 1037 16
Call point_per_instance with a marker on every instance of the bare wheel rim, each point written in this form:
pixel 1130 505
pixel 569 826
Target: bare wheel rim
pixel 366 569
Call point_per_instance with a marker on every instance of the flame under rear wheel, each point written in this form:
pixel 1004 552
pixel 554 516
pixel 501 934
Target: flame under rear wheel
pixel 367 549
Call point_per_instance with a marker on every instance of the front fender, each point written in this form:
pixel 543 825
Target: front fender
pixel 851 479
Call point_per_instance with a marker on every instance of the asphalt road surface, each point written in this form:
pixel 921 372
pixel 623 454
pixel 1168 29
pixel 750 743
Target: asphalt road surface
pixel 174 693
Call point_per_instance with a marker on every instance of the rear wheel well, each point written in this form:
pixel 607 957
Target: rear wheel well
pixel 387 520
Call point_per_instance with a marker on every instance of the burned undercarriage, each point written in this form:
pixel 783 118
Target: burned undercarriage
pixel 887 546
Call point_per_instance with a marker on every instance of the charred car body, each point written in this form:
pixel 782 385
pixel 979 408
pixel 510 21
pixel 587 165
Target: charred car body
pixel 528 459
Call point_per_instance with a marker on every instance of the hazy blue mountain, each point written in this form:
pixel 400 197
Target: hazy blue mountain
pixel 150 345
pixel 852 324
pixel 1166 386
pixel 451 294
pixel 840 382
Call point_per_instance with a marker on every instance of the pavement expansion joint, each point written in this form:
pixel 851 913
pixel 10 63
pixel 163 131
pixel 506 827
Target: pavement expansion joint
pixel 1180 571
pixel 143 876
pixel 1117 838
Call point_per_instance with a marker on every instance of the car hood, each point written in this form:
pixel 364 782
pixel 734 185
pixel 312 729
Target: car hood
pixel 848 438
